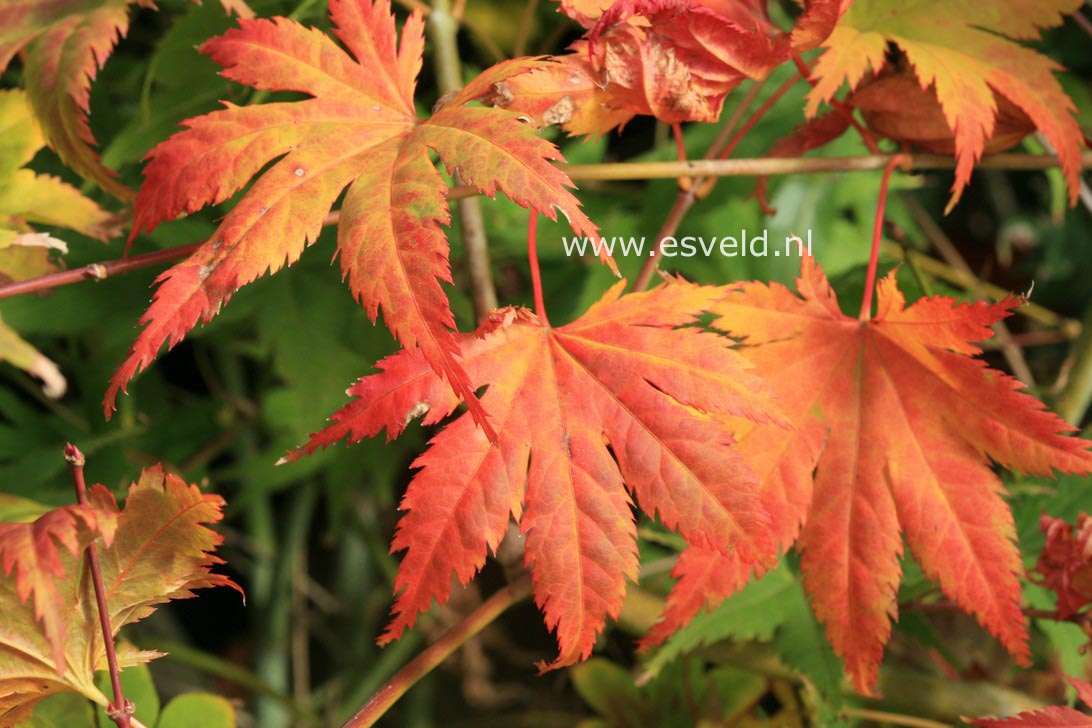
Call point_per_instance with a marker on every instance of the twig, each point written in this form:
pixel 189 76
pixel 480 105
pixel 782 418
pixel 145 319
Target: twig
pixel 1083 22
pixel 684 200
pixel 443 31
pixel 483 39
pixel 121 710
pixel 439 651
pixel 839 106
pixel 523 34
pixel 619 171
pixel 1081 619
pixel 95 271
pixel 731 144
pixel 727 132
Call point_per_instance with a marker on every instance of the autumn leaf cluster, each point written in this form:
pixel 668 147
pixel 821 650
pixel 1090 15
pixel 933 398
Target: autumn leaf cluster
pixel 748 418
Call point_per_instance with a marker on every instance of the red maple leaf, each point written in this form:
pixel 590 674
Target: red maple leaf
pixel 676 60
pixel 33 552
pixel 617 403
pixel 904 421
pixel 1065 564
pixel 359 130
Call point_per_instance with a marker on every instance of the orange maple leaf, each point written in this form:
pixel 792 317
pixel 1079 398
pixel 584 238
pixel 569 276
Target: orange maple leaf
pixel 359 130
pixel 964 51
pixel 897 419
pixel 567 93
pixel 33 552
pixel 1052 717
pixel 619 402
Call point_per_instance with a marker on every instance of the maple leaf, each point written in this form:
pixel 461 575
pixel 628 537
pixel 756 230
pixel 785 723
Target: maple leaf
pixel 619 402
pixel 567 93
pixel 678 59
pixel 1065 564
pixel 674 59
pixel 1051 717
pixel 28 199
pixel 32 551
pixel 359 130
pixel 904 418
pixel 966 52
pixel 159 549
pixel 65 44
pixel 894 105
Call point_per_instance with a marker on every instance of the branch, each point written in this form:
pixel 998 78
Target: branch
pixel 95 271
pixel 121 710
pixel 439 651
pixel 1081 619
pixel 798 165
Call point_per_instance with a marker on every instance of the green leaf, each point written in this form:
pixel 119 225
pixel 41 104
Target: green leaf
pixel 198 709
pixel 609 690
pixel 755 613
pixel 14 509
pixel 63 710
pixel 802 645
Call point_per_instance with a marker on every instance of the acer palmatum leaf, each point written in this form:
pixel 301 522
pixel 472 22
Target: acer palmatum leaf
pixel 907 422
pixel 65 43
pixel 28 198
pixel 618 403
pixel 358 131
pixel 964 51
pixel 567 93
pixel 156 549
pixel 1051 717
pixel 673 59
pixel 1065 563
pixel 31 555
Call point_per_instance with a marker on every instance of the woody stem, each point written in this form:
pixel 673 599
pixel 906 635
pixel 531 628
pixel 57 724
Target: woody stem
pixel 121 710
pixel 439 651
